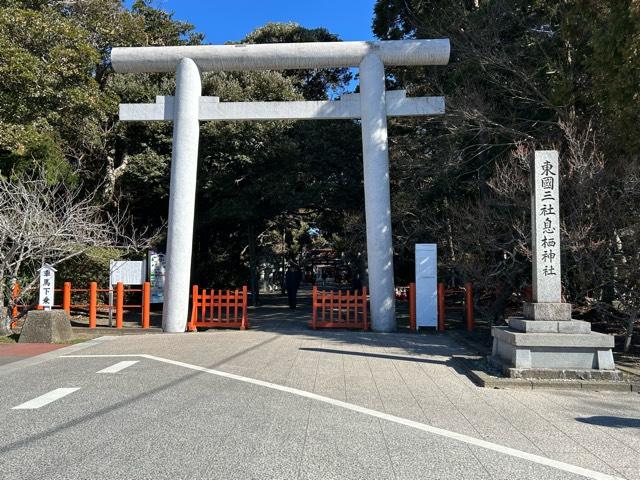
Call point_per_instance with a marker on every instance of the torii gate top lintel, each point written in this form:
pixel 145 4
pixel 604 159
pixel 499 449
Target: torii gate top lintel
pixel 280 56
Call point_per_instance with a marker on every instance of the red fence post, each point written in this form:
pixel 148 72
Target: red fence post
pixel 364 308
pixel 194 309
pixel 245 318
pixel 441 308
pixel 468 303
pixel 314 305
pixel 93 302
pixel 119 304
pixel 66 297
pixel 146 304
pixel 412 307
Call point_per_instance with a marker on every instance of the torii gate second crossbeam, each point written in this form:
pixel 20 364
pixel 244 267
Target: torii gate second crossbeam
pixel 372 106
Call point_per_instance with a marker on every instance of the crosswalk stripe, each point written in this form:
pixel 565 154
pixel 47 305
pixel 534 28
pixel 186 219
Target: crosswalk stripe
pixel 45 399
pixel 118 366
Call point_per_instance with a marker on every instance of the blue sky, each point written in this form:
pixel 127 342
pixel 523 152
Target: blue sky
pixel 224 20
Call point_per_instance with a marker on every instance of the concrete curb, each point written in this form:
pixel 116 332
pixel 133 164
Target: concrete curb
pixel 630 370
pixel 482 379
pixel 43 357
pixel 112 332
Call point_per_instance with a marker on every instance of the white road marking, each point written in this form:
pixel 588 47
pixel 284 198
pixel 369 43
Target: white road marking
pixel 118 366
pixel 45 399
pixel 548 462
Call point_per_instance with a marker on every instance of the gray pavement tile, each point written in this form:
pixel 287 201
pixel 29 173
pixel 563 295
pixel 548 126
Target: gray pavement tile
pixel 330 377
pixel 587 460
pixel 630 473
pixel 455 422
pixel 505 467
pixel 418 454
pixel 344 444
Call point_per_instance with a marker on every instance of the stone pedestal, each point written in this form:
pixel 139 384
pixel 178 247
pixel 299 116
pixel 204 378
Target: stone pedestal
pixel 553 350
pixel 46 326
pixel 547 311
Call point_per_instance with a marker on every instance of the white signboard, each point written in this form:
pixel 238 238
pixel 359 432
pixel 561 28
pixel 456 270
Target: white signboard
pixel 426 285
pixel 127 271
pixel 47 284
pixel 157 268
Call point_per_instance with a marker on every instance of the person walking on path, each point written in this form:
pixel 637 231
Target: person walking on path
pixel 356 283
pixel 292 281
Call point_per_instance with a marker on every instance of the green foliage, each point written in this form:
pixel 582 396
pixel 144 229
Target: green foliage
pixel 162 29
pixel 313 84
pixel 523 75
pixel 35 150
pixel 91 266
pixel 608 35
pixel 47 90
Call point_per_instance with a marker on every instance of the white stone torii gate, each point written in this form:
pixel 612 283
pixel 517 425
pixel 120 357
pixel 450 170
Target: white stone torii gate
pixel 372 106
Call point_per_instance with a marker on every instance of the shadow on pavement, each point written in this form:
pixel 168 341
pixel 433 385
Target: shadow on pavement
pixel 374 355
pixel 612 422
pixel 274 316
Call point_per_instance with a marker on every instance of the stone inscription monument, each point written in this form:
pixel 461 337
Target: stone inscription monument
pixel 371 106
pixel 546 341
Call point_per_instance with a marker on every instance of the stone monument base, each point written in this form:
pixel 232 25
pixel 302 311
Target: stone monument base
pixel 42 326
pixel 553 311
pixel 553 349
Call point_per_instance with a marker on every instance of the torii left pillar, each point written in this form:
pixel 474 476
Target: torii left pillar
pixel 182 195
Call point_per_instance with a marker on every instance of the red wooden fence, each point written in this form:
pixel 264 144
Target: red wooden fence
pixel 412 307
pixel 408 294
pixel 92 301
pixel 466 307
pixel 338 309
pixel 210 309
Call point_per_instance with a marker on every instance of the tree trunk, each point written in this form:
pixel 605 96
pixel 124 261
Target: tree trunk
pixel 5 312
pixel 5 320
pixel 112 175
pixel 2 289
pixel 284 262
pixel 500 305
pixel 450 244
pixel 253 266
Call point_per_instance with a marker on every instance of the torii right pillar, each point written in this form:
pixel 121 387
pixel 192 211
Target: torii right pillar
pixel 546 342
pixel 377 199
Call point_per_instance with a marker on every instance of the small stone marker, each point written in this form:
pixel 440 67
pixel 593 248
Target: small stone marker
pixel 51 326
pixel 47 285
